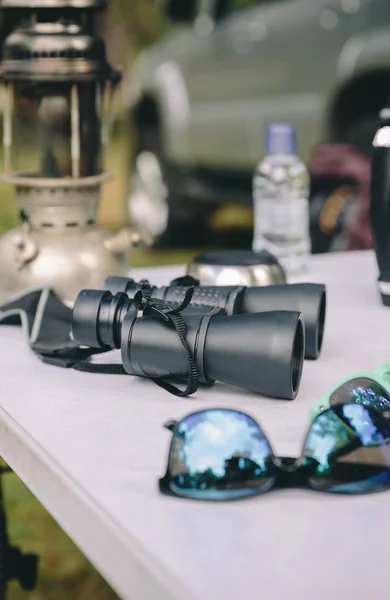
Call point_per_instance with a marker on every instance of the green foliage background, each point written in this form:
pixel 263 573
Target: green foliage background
pixel 142 20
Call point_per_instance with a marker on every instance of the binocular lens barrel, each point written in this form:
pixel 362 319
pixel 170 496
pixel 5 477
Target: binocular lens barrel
pixel 97 318
pixel 261 352
pixel 306 298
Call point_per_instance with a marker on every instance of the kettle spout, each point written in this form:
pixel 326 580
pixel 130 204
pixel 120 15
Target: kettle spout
pixel 124 240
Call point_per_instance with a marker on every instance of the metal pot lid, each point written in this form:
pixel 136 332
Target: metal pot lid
pixel 237 267
pixel 238 258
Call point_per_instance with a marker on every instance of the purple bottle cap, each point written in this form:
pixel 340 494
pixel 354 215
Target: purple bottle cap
pixel 281 139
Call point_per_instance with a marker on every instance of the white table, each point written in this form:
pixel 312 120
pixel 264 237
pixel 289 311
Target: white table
pixel 91 448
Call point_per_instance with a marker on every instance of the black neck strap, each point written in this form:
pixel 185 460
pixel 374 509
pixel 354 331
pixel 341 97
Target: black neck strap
pixel 47 322
pixel 160 309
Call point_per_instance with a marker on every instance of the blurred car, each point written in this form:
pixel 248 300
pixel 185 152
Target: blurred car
pixel 202 97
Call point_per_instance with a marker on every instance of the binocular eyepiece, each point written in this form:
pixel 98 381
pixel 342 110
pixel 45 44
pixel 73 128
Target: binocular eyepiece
pixel 306 298
pixel 261 352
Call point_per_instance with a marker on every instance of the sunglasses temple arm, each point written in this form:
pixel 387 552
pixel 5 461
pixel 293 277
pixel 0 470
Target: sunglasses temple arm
pixel 383 370
pixel 170 425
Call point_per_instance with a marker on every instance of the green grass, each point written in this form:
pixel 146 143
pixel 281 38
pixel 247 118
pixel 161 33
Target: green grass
pixel 64 572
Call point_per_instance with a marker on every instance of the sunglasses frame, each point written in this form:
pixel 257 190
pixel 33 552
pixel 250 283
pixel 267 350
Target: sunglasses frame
pixel 380 375
pixel 289 472
pixel 164 482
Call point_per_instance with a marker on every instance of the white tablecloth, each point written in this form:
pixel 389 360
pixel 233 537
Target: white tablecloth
pixel 92 447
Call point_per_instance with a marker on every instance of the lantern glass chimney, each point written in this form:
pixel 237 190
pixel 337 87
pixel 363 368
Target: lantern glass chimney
pixel 56 130
pixel 58 90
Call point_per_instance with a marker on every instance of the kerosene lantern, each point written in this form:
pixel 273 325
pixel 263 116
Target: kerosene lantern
pixel 58 87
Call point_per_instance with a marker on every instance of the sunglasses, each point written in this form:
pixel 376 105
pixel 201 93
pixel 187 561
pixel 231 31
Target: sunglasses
pixel 223 454
pixel 370 389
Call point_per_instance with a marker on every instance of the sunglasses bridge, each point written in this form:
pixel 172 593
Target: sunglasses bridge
pixel 293 472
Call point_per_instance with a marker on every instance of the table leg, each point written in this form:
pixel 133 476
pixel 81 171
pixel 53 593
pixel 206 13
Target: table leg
pixel 14 564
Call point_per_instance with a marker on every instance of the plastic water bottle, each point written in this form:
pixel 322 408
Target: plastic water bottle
pixel 280 197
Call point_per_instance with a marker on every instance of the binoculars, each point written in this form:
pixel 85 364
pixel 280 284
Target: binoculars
pixel 262 352
pixel 306 298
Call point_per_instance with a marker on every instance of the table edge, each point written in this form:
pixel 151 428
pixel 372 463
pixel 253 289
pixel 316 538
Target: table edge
pixel 98 536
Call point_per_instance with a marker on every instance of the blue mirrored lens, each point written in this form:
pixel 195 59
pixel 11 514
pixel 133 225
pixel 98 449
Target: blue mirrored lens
pixel 348 450
pixel 362 391
pixel 219 454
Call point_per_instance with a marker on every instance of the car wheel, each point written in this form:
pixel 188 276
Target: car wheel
pixel 164 219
